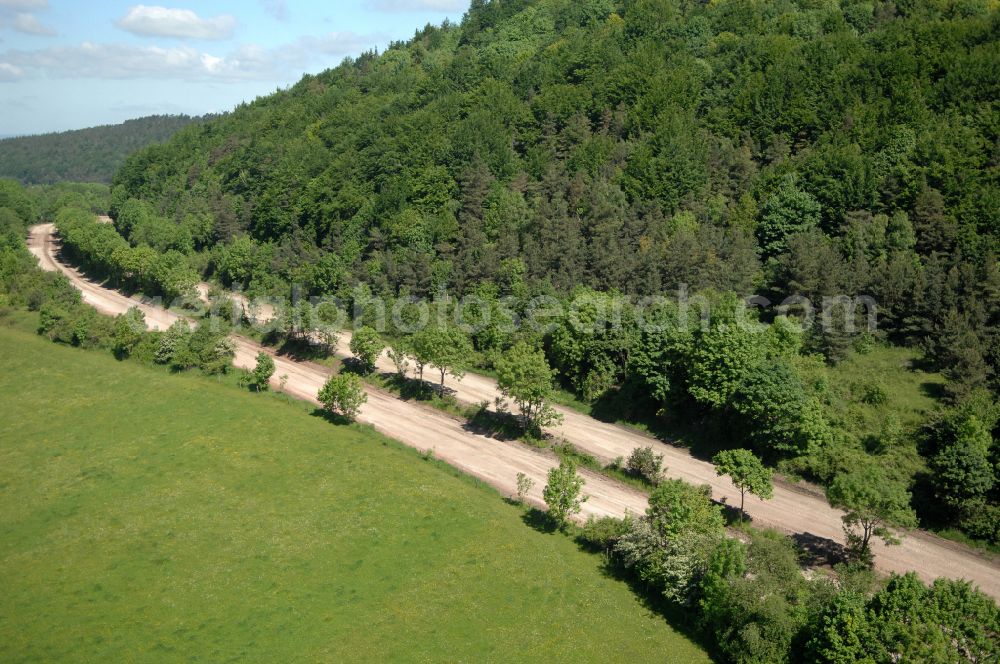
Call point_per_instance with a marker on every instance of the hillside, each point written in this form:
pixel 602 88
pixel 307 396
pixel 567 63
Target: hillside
pixel 736 146
pixel 83 155
pixel 547 147
pixel 165 516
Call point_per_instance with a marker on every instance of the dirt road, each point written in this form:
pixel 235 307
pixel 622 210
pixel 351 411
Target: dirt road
pixel 793 510
pixel 495 462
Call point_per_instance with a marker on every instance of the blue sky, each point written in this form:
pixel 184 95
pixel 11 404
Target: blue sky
pixel 68 64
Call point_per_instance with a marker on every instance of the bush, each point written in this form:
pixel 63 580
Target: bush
pixel 343 394
pixel 603 534
pixel 874 395
pixel 646 464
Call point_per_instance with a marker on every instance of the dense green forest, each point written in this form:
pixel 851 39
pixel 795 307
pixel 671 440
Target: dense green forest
pixel 83 155
pixel 798 148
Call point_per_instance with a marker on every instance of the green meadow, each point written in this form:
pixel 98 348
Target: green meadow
pixel 149 516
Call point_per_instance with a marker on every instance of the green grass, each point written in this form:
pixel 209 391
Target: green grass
pixel 912 393
pixel 170 517
pixel 867 428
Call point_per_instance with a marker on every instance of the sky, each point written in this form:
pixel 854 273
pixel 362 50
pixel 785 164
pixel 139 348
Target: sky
pixel 69 64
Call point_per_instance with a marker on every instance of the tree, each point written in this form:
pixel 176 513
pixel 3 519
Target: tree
pixel 747 473
pixel 326 319
pixel 448 349
pixel 400 358
pixel 260 375
pixel 523 374
pixel 128 332
pixel 670 547
pixel 721 359
pixel 173 343
pixel 777 412
pixel 524 484
pixel 343 394
pixel 963 474
pixel 842 634
pixel 366 346
pixel 758 607
pixel 908 621
pixel 874 505
pixel 789 210
pixel 562 493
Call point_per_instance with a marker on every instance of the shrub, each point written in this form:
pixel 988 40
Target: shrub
pixel 646 464
pixel 344 395
pixel 874 395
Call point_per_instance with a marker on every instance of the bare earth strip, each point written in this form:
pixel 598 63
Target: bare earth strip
pixel 793 510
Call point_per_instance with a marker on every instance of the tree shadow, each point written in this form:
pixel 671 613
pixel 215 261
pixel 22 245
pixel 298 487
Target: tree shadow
pixel 819 551
pixel 680 618
pixel 302 350
pixel 936 391
pixel 353 365
pixel 332 418
pixel 540 521
pixel 499 426
pixel 732 514
pixel 412 389
pixel 679 424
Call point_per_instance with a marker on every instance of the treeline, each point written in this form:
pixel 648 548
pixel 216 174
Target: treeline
pixel 64 318
pixel 83 155
pixel 752 603
pixel 99 249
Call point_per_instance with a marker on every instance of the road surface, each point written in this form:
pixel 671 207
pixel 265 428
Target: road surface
pixel 794 510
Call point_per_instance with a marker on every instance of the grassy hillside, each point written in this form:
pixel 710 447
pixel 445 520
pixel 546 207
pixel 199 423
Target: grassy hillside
pixel 150 515
pixel 83 155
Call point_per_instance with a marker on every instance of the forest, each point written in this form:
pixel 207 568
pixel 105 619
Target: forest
pixel 83 155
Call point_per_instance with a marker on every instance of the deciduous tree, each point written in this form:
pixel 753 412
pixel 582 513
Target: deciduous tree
pixel 563 491
pixel 874 504
pixel 523 374
pixel 343 394
pixel 747 473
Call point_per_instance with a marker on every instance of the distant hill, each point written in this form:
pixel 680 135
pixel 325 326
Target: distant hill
pixel 83 155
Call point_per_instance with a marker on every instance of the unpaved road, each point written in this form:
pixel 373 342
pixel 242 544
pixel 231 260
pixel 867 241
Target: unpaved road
pixel 495 462
pixel 793 510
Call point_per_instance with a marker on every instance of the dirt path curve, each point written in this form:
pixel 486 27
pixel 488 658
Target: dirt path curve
pixel 794 510
pixel 495 462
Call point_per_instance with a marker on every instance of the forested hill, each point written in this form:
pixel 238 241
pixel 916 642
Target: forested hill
pixel 83 155
pixel 790 147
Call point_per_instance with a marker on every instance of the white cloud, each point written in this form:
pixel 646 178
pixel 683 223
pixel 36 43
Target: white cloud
pixel 24 5
pixel 29 25
pixel 276 8
pixel 419 5
pixel 9 72
pixel 180 23
pixel 249 62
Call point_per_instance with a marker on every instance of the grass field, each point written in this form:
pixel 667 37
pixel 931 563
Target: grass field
pixel 151 516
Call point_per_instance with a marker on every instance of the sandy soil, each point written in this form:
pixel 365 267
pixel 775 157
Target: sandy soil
pixel 797 510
